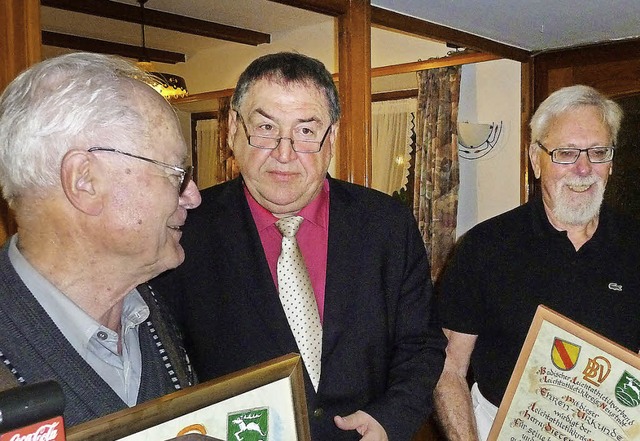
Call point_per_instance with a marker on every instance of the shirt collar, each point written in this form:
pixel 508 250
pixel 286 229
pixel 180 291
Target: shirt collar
pixel 74 323
pixel 542 226
pixel 315 212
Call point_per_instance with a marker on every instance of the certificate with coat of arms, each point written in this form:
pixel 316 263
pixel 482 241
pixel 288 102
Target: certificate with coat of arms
pixel 570 384
pixel 265 402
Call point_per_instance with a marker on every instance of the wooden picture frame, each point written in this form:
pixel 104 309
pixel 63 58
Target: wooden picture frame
pixel 569 383
pixel 277 385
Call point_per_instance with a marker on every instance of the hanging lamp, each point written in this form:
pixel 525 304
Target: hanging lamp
pixel 169 85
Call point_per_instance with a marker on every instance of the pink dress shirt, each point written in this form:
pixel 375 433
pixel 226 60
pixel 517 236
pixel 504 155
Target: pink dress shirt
pixel 312 237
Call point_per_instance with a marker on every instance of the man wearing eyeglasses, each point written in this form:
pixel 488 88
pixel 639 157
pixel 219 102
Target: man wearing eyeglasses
pixel 92 161
pixel 380 353
pixel 564 249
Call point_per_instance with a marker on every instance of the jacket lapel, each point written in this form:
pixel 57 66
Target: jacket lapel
pixel 248 254
pixel 342 257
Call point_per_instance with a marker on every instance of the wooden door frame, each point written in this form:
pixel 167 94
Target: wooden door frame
pixel 20 47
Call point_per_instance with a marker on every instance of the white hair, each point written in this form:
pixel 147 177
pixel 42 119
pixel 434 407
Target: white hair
pixel 569 98
pixel 72 101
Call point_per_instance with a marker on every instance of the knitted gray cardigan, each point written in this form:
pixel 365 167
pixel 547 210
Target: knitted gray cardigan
pixel 32 344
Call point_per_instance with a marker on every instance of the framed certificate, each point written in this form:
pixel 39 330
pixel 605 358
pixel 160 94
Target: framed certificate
pixel 570 383
pixel 266 402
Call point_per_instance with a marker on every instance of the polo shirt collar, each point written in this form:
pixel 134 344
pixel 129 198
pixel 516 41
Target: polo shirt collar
pixel 541 225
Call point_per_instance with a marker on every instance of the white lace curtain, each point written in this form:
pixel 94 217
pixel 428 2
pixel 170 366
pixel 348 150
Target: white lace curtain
pixel 207 142
pixel 391 123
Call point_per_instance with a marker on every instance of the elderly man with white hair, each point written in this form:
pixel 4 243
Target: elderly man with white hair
pixel 93 163
pixel 564 249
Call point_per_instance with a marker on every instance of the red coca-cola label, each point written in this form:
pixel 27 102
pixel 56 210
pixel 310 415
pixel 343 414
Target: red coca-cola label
pixel 49 430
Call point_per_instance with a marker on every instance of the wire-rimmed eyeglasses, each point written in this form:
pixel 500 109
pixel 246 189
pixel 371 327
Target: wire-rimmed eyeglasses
pixel 569 155
pixel 298 145
pixel 185 174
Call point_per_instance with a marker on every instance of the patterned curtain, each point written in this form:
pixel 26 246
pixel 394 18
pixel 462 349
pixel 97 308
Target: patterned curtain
pixel 226 169
pixel 435 199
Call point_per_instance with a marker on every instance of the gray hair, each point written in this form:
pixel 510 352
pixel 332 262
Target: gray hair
pixel 569 98
pixel 289 68
pixel 72 101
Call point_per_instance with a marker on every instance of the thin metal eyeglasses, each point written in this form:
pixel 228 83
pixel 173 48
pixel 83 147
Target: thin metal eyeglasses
pixel 298 145
pixel 185 174
pixel 569 155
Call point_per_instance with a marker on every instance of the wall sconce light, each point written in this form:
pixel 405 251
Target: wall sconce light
pixel 477 140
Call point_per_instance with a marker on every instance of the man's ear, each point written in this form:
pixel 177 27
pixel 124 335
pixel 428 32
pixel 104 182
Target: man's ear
pixel 534 157
pixel 78 175
pixel 232 127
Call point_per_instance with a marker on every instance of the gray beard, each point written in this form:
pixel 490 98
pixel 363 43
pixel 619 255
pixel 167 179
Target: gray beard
pixel 571 212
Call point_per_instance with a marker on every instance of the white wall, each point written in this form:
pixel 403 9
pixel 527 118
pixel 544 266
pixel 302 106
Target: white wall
pixel 490 92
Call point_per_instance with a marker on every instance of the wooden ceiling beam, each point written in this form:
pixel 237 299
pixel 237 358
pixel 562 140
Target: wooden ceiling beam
pixel 108 47
pixel 332 8
pixel 411 25
pixel 451 60
pixel 158 19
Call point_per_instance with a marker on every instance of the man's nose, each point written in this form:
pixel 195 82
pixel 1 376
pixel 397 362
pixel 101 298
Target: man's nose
pixel 583 164
pixel 284 152
pixel 190 197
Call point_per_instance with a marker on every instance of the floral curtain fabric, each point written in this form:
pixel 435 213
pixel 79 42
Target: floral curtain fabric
pixel 435 199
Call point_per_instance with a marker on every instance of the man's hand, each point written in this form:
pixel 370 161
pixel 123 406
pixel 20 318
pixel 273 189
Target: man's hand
pixel 365 424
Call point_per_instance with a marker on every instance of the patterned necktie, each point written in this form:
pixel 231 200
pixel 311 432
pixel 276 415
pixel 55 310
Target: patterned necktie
pixel 298 300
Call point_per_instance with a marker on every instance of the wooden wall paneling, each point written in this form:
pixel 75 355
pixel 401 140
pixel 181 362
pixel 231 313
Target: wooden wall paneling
pixel 20 37
pixel 526 110
pixel 618 78
pixel 612 68
pixel 19 48
pixel 353 154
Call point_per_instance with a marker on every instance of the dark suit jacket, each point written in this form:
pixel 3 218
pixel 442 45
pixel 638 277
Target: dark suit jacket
pixel 381 351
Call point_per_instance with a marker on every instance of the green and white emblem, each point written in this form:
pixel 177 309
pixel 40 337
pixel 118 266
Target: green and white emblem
pixel 248 425
pixel 628 390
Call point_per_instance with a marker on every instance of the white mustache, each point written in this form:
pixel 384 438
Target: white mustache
pixel 579 181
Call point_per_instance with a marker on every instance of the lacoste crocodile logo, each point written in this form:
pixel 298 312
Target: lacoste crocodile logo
pixel 615 287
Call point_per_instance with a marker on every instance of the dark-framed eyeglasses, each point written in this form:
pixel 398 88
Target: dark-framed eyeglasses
pixel 569 155
pixel 185 174
pixel 268 143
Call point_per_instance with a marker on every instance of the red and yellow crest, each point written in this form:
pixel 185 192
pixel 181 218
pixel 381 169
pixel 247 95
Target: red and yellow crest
pixel 564 354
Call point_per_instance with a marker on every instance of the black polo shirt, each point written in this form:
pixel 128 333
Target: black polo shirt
pixel 505 267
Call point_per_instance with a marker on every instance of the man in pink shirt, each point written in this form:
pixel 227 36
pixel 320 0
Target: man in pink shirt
pixel 381 353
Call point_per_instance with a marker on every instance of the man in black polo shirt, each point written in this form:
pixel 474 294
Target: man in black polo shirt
pixel 562 249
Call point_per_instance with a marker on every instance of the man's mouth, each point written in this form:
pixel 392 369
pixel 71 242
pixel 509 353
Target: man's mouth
pixel 579 188
pixel 176 227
